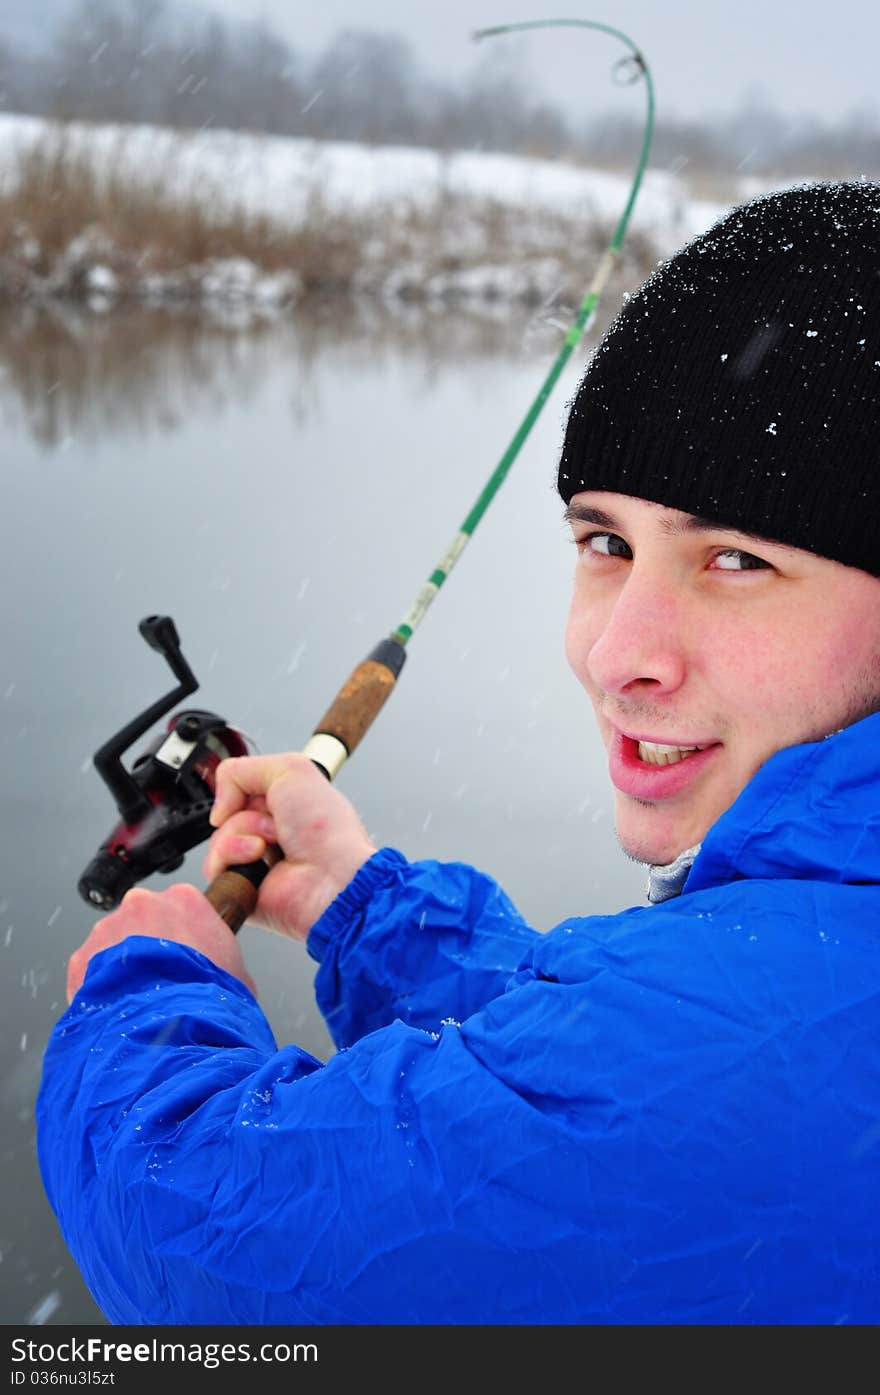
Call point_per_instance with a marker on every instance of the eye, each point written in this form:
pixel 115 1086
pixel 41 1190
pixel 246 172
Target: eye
pixel 733 559
pixel 605 544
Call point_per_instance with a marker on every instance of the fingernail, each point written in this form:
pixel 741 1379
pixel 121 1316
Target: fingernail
pixel 267 827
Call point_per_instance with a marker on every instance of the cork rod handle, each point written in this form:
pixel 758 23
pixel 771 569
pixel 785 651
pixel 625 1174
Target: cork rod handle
pixel 233 893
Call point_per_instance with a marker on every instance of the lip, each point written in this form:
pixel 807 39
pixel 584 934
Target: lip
pixel 635 777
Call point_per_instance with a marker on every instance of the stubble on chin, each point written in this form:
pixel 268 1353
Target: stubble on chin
pixel 652 849
pixel 636 848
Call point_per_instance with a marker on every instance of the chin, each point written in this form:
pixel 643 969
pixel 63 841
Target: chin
pixel 647 853
pixel 652 846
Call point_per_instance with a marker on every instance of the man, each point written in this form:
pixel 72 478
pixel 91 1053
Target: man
pixel 662 1116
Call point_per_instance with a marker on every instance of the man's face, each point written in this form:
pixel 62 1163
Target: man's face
pixel 688 635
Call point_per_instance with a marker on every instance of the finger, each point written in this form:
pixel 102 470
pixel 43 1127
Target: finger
pixel 256 804
pixel 187 906
pixel 240 778
pixel 180 912
pixel 231 850
pixel 127 919
pixel 144 912
pixel 253 821
pixel 222 847
pixel 133 911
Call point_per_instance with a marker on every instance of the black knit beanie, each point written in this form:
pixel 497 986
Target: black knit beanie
pixel 742 381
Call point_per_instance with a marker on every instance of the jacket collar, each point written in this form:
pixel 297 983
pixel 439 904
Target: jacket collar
pixel 812 811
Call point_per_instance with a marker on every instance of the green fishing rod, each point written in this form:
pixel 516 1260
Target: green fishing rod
pixel 233 893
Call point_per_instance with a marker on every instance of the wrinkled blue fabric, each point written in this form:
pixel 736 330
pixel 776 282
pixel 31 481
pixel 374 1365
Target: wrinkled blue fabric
pixel 664 1116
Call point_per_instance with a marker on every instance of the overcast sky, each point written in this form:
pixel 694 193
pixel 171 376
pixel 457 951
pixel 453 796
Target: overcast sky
pixel 810 56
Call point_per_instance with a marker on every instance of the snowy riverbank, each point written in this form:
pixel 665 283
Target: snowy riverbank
pixel 106 213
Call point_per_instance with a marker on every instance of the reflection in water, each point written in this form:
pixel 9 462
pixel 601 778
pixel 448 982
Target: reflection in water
pixel 66 371
pixel 281 488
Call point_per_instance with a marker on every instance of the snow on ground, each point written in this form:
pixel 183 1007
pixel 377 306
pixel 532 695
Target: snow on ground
pixel 286 180
pixel 279 176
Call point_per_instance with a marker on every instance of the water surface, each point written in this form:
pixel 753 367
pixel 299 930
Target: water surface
pixel 281 490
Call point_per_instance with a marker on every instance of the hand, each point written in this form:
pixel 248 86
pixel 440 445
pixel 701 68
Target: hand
pixel 284 799
pixel 182 913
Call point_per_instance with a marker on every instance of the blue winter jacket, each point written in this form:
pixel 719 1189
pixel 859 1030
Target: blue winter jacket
pixel 666 1116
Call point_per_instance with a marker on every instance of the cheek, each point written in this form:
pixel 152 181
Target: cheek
pixel 851 645
pixel 750 665
pixel 796 681
pixel 840 676
pixel 764 687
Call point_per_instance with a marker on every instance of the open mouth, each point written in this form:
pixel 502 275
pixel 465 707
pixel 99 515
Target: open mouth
pixel 658 769
pixel 653 753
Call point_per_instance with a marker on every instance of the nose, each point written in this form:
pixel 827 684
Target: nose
pixel 637 642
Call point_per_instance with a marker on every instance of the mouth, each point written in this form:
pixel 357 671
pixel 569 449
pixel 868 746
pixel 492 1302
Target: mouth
pixel 656 753
pixel 650 770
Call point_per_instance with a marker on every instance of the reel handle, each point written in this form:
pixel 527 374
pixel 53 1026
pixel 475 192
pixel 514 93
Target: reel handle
pixel 233 892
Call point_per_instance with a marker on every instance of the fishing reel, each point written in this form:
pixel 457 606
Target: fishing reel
pixel 165 799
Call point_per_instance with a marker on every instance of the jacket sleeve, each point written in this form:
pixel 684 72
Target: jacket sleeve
pixel 201 1175
pixel 424 942
pixel 640 1127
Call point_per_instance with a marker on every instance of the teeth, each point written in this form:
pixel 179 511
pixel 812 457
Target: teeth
pixel 652 753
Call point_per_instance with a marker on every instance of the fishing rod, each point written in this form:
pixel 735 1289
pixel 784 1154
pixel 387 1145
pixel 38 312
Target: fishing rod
pixel 165 801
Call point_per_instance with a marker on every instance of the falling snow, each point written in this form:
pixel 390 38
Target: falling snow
pixel 44 1310
pixel 293 665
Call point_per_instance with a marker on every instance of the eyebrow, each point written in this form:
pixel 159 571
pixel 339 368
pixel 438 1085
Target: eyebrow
pixel 672 527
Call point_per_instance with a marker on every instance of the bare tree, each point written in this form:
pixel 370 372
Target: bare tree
pixel 139 61
pixel 266 78
pixel 12 94
pixel 365 87
pixel 103 62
